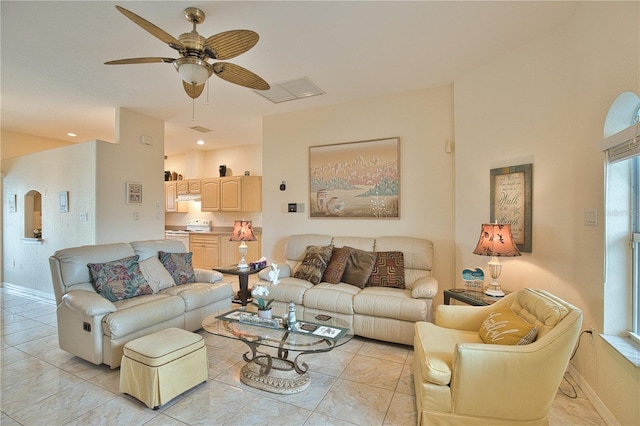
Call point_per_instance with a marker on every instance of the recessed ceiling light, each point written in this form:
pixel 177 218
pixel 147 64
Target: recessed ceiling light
pixel 200 142
pixel 73 135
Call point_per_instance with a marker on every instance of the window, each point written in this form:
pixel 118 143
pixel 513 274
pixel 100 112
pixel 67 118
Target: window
pixel 622 218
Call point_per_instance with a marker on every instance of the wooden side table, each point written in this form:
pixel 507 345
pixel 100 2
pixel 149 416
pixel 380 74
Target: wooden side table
pixel 473 298
pixel 243 277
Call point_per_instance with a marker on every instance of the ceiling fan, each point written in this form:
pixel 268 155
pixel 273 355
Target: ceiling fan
pixel 195 52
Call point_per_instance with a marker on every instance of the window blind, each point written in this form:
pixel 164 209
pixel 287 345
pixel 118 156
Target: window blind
pixel 622 145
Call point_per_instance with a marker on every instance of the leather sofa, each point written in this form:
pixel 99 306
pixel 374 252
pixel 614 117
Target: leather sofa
pixel 381 313
pixel 95 329
pixel 461 380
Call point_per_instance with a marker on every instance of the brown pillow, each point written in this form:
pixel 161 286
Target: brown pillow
pixel 359 267
pixel 315 262
pixel 388 270
pixel 503 327
pixel 337 265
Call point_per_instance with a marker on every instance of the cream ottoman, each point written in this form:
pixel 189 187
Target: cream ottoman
pixel 160 366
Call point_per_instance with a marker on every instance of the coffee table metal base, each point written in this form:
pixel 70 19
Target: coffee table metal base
pixel 274 375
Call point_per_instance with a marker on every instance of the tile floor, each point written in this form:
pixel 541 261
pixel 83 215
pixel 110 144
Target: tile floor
pixel 365 382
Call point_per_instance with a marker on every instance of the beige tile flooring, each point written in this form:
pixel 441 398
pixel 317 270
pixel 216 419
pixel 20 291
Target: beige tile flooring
pixel 365 382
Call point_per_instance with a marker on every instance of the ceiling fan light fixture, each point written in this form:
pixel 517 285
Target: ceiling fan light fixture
pixel 193 70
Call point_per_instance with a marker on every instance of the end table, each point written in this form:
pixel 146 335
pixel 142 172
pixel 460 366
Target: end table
pixel 243 277
pixel 470 297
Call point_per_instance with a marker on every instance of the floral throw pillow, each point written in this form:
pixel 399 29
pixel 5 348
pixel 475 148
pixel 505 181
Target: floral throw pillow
pixel 179 266
pixel 120 279
pixel 315 262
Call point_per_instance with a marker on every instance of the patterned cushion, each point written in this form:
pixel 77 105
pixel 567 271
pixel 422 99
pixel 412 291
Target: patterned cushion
pixel 388 271
pixel 179 266
pixel 337 265
pixel 503 327
pixel 359 267
pixel 315 262
pixel 120 279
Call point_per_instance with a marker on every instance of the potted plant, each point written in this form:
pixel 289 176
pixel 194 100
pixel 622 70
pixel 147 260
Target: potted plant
pixel 259 292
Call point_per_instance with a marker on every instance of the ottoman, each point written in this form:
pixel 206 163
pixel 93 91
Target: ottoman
pixel 160 366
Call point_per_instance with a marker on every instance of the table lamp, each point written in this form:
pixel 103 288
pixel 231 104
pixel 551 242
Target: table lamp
pixel 495 241
pixel 242 231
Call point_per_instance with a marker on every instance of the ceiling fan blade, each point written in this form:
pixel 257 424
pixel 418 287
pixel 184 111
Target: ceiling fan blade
pixel 236 74
pixel 230 44
pixel 193 90
pixel 152 29
pixel 139 61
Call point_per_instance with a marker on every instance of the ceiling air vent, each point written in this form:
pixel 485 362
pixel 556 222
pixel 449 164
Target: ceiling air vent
pixel 291 90
pixel 200 129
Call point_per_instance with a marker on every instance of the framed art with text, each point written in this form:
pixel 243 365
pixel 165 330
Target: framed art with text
pixel 355 180
pixel 511 201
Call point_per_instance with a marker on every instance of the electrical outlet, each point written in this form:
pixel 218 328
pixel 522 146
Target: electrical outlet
pixel 13 263
pixel 593 332
pixel 136 215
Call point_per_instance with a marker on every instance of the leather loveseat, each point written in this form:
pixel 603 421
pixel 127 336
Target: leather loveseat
pixel 380 312
pixel 95 329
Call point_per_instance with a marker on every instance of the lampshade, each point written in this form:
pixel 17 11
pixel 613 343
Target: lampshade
pixel 496 241
pixel 242 231
pixel 193 70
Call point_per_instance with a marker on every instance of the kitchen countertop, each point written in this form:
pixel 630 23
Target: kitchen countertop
pixel 215 230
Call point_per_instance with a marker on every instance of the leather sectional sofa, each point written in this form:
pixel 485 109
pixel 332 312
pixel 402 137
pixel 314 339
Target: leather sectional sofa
pixel 380 312
pixel 95 329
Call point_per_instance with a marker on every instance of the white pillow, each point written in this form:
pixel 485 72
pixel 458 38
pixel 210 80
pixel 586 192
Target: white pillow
pixel 156 274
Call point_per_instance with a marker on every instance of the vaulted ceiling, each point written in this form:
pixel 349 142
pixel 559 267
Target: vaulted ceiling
pixel 54 81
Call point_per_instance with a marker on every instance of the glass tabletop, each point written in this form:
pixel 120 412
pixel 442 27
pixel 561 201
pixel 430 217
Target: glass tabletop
pixel 316 336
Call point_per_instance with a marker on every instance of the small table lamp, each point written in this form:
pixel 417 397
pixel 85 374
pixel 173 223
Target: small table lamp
pixel 242 231
pixel 496 240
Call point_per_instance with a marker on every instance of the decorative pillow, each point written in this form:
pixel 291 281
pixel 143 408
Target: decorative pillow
pixel 337 265
pixel 156 274
pixel 503 327
pixel 315 262
pixel 179 266
pixel 120 279
pixel 359 267
pixel 388 271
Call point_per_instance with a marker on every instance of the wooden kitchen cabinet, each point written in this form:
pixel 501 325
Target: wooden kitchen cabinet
pixel 210 195
pixel 171 205
pixel 206 251
pixel 190 186
pixel 231 194
pixel 241 194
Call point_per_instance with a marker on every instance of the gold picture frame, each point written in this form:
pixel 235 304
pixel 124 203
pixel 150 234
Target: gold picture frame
pixel 355 180
pixel 511 202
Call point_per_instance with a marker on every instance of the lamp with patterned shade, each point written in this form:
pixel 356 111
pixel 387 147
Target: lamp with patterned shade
pixel 243 231
pixel 496 241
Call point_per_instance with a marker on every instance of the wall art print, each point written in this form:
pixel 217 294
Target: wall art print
pixel 511 202
pixel 134 193
pixel 355 180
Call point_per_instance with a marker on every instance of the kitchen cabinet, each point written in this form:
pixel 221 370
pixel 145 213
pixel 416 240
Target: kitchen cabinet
pixel 232 194
pixel 171 205
pixel 206 251
pixel 230 255
pixel 190 186
pixel 210 194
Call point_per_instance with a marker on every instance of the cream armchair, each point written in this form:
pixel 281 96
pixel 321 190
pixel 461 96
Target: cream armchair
pixel 460 380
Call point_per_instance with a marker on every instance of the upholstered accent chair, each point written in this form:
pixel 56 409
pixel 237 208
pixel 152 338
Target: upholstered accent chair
pixel 461 380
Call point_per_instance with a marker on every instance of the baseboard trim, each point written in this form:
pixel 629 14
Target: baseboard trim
pixel 29 292
pixel 599 406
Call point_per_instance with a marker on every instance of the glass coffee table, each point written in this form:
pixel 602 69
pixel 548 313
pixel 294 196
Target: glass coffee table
pixel 282 373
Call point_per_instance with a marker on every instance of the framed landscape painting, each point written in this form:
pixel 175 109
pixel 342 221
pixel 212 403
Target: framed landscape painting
pixel 355 180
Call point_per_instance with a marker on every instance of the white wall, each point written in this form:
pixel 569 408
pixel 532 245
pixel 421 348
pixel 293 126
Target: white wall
pixel 546 103
pixel 130 161
pixel 70 168
pixel 423 122
pixel 94 173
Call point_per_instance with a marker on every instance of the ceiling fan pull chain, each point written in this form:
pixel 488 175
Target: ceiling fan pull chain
pixel 207 83
pixel 193 109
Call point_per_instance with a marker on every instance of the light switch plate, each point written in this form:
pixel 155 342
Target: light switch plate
pixel 590 217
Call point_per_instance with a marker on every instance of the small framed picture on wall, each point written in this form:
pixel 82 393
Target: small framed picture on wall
pixel 134 193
